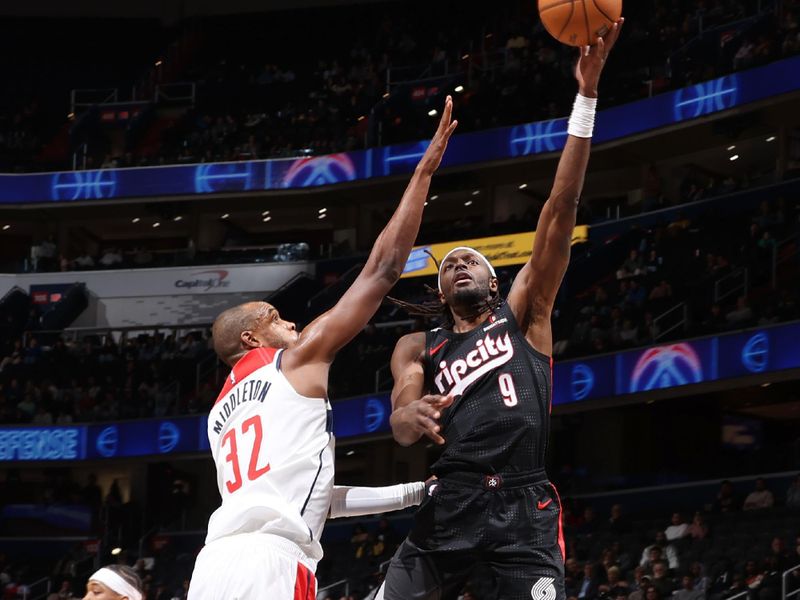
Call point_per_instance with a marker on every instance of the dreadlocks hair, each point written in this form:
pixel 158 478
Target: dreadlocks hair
pixel 435 308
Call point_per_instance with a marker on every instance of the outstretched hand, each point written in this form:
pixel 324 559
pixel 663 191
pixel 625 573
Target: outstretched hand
pixel 593 59
pixel 433 155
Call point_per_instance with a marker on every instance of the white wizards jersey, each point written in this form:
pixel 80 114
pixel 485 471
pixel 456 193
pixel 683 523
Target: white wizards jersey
pixel 274 454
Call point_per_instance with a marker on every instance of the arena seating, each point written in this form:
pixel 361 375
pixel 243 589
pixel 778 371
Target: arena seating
pixel 722 549
pixel 612 301
pixel 260 97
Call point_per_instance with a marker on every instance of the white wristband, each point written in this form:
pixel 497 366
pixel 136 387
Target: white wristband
pixel 357 501
pixel 581 121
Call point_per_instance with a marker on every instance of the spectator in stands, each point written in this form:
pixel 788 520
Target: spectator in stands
pixel 615 584
pixel 688 590
pixel 652 593
pixel 641 581
pixel 660 550
pixel 617 522
pixel 636 293
pixel 779 554
pixel 759 498
pixel 573 577
pixel 662 580
pixel 770 588
pixel 726 501
pixel 84 261
pixel 110 258
pixel 678 529
pixel 715 321
pixel 698 530
pixel 42 416
pixel 662 291
pixel 629 334
pixel 27 407
pixel 14 357
pixel 632 267
pixel 589 524
pixel 589 586
pixel 741 315
pixel 792 494
pixel 43 254
pixel 744 56
pixel 720 579
pixel 752 575
pixel 700 581
pixel 625 559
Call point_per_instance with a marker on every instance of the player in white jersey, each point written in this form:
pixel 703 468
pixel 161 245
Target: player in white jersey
pixel 270 430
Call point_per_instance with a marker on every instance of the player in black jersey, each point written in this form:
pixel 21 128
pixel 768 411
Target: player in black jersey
pixel 480 386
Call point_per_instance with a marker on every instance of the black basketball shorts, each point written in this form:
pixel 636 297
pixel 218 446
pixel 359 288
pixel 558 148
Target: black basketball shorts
pixel 510 525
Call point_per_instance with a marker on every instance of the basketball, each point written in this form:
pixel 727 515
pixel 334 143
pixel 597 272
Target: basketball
pixel 579 22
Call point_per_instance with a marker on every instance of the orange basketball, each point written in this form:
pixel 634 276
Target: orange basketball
pixel 579 22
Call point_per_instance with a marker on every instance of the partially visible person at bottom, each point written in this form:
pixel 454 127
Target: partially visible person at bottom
pixel 114 582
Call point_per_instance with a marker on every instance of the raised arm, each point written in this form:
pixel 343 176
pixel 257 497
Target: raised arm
pixel 534 290
pixel 320 340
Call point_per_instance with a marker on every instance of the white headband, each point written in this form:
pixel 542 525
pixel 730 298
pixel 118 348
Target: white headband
pixel 116 584
pixel 468 249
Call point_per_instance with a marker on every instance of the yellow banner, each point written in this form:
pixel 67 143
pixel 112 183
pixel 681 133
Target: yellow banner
pixel 501 250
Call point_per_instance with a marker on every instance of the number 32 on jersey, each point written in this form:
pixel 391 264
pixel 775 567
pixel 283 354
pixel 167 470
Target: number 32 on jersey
pixel 251 428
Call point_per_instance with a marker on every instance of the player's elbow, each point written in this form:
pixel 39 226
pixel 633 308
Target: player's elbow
pixel 565 205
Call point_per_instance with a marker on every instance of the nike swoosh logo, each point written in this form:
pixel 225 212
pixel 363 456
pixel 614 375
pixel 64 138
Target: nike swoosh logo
pixel 542 505
pixel 435 349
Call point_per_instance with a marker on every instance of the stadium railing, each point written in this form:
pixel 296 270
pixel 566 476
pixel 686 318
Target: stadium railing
pixel 785 593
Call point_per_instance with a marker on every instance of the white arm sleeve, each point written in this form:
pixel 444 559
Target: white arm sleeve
pixel 356 501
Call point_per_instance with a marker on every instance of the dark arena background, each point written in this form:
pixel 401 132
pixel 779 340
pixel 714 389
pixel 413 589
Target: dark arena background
pixel 163 161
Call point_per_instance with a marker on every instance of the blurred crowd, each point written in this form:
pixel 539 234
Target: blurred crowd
pixel 259 97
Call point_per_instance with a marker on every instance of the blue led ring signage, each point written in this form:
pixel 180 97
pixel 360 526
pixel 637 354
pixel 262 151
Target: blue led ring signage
pixel 728 356
pixel 614 123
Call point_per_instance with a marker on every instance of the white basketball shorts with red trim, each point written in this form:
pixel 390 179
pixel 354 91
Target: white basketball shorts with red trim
pixel 252 566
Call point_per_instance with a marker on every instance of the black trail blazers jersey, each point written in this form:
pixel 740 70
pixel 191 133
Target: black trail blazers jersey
pixel 500 419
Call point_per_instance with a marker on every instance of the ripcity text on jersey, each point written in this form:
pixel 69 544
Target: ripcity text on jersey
pixel 273 450
pixel 500 419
